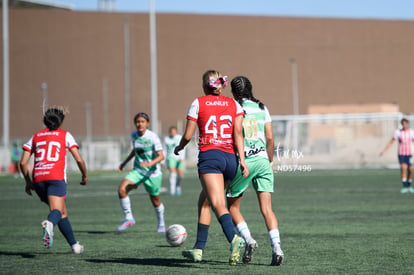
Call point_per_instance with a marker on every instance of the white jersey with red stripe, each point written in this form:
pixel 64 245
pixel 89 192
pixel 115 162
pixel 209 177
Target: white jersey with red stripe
pixel 215 116
pixel 49 149
pixel 404 138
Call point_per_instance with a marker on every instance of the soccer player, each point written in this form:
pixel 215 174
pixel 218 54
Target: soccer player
pixel 16 155
pixel 219 120
pixel 175 164
pixel 404 136
pixel 258 150
pixel 148 153
pixel 49 174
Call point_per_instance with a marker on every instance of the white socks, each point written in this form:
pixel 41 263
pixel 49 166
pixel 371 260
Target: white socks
pixel 274 237
pixel 126 208
pixel 173 183
pixel 159 211
pixel 244 231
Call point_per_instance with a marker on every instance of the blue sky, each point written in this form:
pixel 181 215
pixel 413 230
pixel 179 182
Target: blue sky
pixel 375 9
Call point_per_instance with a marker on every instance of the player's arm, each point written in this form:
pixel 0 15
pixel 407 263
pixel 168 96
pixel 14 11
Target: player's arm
pixel 24 167
pixel 188 134
pixel 158 159
pixel 129 157
pixel 270 146
pixel 81 164
pixel 388 146
pixel 239 143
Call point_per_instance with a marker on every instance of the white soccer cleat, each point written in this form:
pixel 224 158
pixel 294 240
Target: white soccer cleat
pixel 77 248
pixel 47 227
pixel 277 256
pixel 248 252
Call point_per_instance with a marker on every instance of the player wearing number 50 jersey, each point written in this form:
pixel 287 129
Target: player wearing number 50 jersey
pixel 219 120
pixel 49 174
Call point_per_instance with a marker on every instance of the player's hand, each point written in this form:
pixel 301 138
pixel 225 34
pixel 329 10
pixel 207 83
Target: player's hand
pixel 29 188
pixel 382 153
pixel 145 164
pixel 84 180
pixel 244 170
pixel 177 150
pixel 120 168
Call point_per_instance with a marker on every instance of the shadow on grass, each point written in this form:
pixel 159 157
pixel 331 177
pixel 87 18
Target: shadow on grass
pixel 21 254
pixel 96 232
pixel 154 262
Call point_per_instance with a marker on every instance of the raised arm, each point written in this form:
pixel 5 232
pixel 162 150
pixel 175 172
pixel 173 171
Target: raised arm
pixel 81 164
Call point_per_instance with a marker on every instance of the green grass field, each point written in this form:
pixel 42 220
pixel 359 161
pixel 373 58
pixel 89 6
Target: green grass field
pixel 350 221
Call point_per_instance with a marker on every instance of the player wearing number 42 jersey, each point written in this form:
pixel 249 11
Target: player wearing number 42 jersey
pixel 49 174
pixel 219 120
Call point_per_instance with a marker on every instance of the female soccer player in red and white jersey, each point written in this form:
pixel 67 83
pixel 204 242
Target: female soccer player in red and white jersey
pixel 219 120
pixel 49 174
pixel 404 136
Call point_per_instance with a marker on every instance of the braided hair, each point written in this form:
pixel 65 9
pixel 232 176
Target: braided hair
pixel 241 87
pixel 53 118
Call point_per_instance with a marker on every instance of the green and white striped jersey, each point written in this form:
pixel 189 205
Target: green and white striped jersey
pixel 254 129
pixel 146 148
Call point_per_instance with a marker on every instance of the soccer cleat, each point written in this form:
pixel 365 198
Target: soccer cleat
pixel 77 248
pixel 161 229
pixel 195 255
pixel 248 251
pixel 404 190
pixel 178 191
pixel 47 227
pixel 410 189
pixel 277 256
pixel 125 224
pixel 236 245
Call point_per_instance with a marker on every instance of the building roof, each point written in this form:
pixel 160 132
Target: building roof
pixel 37 4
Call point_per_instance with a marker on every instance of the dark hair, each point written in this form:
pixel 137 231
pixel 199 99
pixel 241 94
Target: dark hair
pixel 241 87
pixel 53 118
pixel 141 114
pixel 404 120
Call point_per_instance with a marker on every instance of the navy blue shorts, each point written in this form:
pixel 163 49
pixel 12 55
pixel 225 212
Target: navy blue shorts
pixel 404 159
pixel 218 162
pixel 50 188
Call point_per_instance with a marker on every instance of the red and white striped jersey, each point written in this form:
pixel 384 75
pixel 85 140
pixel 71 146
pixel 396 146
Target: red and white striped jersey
pixel 49 149
pixel 215 116
pixel 404 138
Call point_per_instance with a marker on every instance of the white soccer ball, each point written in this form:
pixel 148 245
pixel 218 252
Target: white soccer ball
pixel 176 234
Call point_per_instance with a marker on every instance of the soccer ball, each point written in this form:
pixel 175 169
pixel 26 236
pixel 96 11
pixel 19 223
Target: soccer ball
pixel 176 234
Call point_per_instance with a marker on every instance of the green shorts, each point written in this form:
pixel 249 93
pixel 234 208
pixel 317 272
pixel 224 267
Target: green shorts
pixel 175 163
pixel 152 184
pixel 260 174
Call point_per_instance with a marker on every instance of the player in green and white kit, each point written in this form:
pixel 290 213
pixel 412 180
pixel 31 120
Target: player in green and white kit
pixel 148 153
pixel 258 149
pixel 175 164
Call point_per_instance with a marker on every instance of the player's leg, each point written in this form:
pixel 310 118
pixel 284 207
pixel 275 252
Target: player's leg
pixel 124 188
pixel 204 220
pixel 172 176
pixel 153 187
pixel 180 175
pixel 65 228
pixel 409 175
pixel 241 225
pixel 213 186
pixel 265 202
pixel 403 167
pixel 56 207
